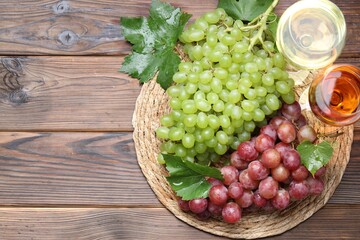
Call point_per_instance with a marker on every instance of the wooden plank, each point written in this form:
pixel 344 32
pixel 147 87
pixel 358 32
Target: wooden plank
pixel 65 93
pixel 95 169
pixel 42 169
pixel 331 222
pixel 92 27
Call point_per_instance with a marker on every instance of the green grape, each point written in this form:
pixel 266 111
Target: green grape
pixel 185 37
pixel 200 147
pixel 259 115
pixel 201 24
pixel 236 57
pixel 212 28
pixel 169 146
pixel 238 24
pixel 251 94
pixel 203 158
pixel 189 129
pixel 229 131
pixel 244 136
pixel 189 106
pixel 177 115
pixel 228 109
pixel 193 77
pixel 246 82
pixel 211 17
pixel 247 116
pixel 180 150
pixel 212 97
pixel 206 63
pixel 288 98
pixel 197 52
pixel 175 133
pixel 160 159
pixel 249 126
pixel 255 78
pixel 223 48
pixel 215 55
pixel 179 77
pixel 269 46
pixel 248 57
pixel 243 89
pixel 272 102
pixel 276 72
pixel 175 103
pixel 248 105
pixel 211 143
pixel 188 140
pixel 270 89
pixel 268 63
pixel 266 109
pixel 234 68
pixel 198 137
pixel 282 87
pixel 183 95
pixel 212 39
pixel 199 95
pixel 191 152
pixel 228 21
pixel 220 73
pixel 207 133
pixel 221 12
pixel 185 67
pixel 191 88
pixel 166 120
pixel 173 91
pixel 162 132
pixel 197 68
pixel 234 96
pixel 225 61
pixel 202 120
pixel 238 123
pixel 190 120
pixel 213 121
pixel 228 40
pixel 222 137
pixel 202 105
pixel 268 80
pixel 279 61
pixel 240 47
pixel 251 67
pixel 231 84
pixel 196 35
pixel 214 157
pixel 204 87
pixel 236 113
pixel 236 142
pixel 218 106
pixel 224 95
pixel 260 91
pixel 224 121
pixel 237 34
pixel 220 149
pixel 189 159
pixel 260 62
pixel 216 85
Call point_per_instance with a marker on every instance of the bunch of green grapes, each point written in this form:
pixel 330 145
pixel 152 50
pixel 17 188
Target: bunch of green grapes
pixel 224 91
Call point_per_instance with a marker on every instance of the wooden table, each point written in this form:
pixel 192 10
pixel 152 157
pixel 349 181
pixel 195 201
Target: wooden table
pixel 68 168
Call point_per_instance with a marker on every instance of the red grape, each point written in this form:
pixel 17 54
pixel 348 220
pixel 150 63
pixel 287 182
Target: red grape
pixel 301 121
pixel 299 190
pixel 282 148
pixel 281 199
pixel 286 132
pixel 270 158
pixel 291 111
pixel 246 181
pixel 280 173
pixel 316 186
pixel 235 190
pixel 230 174
pixel 320 172
pixel 214 181
pixel 300 174
pixel 270 131
pixel 198 205
pixel 257 171
pixel 203 215
pixel 183 205
pixel 306 133
pixel 231 212
pixel 258 200
pixel 268 188
pixel 237 162
pixel 291 159
pixel 246 200
pixel 218 194
pixel 214 209
pixel 263 142
pixel 247 151
pixel 276 121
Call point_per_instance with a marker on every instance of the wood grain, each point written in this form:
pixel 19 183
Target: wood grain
pixel 331 222
pixel 65 93
pixel 96 169
pixel 92 27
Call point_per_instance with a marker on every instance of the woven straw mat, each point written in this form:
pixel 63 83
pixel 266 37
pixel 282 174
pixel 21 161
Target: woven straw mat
pixel 152 103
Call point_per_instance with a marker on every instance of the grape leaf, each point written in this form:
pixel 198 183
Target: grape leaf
pixel 154 39
pixel 245 10
pixel 273 20
pixel 187 179
pixel 314 156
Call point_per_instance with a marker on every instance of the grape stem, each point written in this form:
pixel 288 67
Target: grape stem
pixel 262 20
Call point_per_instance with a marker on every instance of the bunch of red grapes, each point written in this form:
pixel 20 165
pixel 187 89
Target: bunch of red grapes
pixel 265 172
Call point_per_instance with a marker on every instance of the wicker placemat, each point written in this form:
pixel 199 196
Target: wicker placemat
pixel 152 103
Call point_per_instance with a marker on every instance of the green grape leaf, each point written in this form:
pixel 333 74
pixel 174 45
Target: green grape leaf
pixel 314 156
pixel 245 10
pixel 153 39
pixel 273 21
pixel 187 179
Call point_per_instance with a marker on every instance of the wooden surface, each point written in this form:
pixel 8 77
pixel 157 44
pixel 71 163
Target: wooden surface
pixel 68 168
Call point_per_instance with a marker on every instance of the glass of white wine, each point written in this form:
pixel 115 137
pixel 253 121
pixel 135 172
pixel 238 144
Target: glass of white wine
pixel 311 34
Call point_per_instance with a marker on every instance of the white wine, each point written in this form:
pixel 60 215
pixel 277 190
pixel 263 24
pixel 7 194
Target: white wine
pixel 311 33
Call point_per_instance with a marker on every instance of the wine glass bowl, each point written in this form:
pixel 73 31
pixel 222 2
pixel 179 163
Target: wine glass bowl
pixel 334 96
